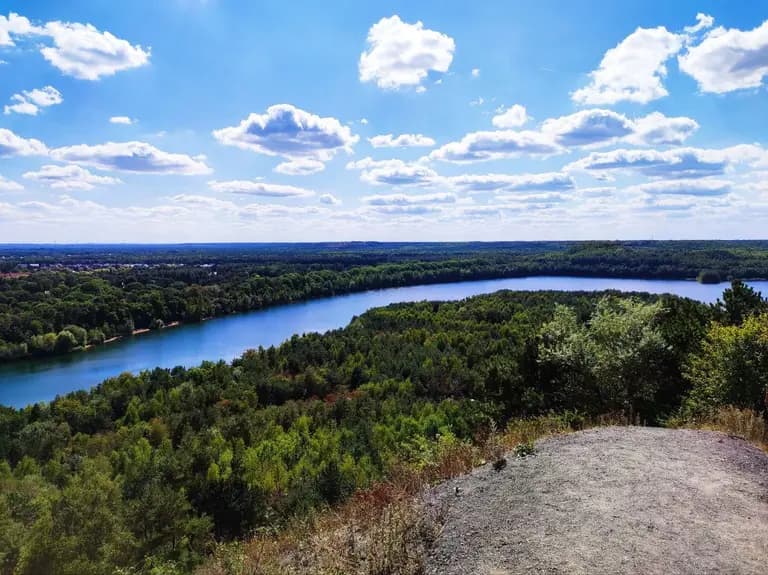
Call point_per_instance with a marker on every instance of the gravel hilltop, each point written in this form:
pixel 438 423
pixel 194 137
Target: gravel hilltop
pixel 616 500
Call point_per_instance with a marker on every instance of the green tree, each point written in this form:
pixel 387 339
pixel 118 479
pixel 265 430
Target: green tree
pixel 739 302
pixel 731 368
pixel 80 334
pixel 81 531
pixel 65 342
pixel 619 351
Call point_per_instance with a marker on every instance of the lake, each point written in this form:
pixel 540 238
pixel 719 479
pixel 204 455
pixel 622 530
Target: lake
pixel 26 382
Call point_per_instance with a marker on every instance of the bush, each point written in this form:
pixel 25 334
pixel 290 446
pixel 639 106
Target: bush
pixel 730 369
pixel 65 342
pixel 525 449
pixel 81 335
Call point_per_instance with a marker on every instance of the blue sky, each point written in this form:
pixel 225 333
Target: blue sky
pixel 193 120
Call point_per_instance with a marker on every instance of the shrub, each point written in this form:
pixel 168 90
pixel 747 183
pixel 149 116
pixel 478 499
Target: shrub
pixel 730 369
pixel 525 449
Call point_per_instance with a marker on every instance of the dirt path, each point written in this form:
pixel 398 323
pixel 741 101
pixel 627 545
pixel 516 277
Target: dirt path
pixel 613 500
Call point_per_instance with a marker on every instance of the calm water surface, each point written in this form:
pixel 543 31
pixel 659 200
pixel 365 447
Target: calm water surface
pixel 27 382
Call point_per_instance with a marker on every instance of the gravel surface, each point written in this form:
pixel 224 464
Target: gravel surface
pixel 616 500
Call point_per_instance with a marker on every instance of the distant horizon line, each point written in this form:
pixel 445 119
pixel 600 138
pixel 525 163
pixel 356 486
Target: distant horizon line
pixel 377 242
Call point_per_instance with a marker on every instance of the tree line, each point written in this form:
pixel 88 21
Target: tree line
pixel 58 310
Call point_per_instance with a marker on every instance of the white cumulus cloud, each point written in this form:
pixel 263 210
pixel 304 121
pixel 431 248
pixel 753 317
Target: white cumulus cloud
pixel 393 172
pixel 29 102
pixel 123 120
pixel 15 25
pixel 329 199
pixel 409 199
pixel 728 59
pixel 256 188
pixel 84 52
pixel 300 167
pixel 13 145
pixel 401 141
pixel 137 157
pixel 686 163
pixel 69 177
pixel 684 187
pixel 548 181
pixel 490 145
pixel 703 21
pixel 588 127
pixel 401 54
pixel 285 130
pixel 512 117
pixel 632 71
pixel 75 49
pixel 656 129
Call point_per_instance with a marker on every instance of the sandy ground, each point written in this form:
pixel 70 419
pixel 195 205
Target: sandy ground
pixel 617 500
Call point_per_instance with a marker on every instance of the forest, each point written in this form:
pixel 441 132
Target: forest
pixel 146 473
pixel 58 299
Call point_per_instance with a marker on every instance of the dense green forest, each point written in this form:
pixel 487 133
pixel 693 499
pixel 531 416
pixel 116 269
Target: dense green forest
pixel 143 473
pixel 59 299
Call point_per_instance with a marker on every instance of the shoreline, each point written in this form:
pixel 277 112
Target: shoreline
pixel 179 323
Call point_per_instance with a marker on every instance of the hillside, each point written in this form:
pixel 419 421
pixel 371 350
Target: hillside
pixel 611 500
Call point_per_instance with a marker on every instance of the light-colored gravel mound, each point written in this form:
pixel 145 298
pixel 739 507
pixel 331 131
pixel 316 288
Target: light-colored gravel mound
pixel 618 500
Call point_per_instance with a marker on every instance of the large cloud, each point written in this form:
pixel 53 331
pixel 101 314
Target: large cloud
pixel 401 141
pixel 30 102
pixel 69 177
pixel 78 50
pixel 599 127
pixel 673 163
pixel 633 70
pixel 393 172
pixel 549 181
pixel 586 128
pixel 657 129
pixel 82 51
pixel 137 157
pixel 285 130
pixel 13 145
pixel 490 145
pixel 401 54
pixel 728 60
pixel 256 188
pixel 684 187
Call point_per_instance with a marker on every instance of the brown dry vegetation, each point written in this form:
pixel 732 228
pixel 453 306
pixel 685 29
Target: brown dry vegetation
pixel 744 423
pixel 388 528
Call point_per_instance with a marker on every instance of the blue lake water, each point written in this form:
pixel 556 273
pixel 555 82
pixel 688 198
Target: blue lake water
pixel 26 382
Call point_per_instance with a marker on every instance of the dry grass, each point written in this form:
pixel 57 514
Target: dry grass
pixel 745 423
pixel 386 529
pixel 389 528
